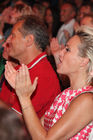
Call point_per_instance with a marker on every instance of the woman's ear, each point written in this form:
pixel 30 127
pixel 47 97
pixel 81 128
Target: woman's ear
pixel 29 40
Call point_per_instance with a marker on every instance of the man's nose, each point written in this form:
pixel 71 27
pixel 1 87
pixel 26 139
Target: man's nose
pixel 4 44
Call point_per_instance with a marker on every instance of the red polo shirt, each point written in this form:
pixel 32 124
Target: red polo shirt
pixel 47 89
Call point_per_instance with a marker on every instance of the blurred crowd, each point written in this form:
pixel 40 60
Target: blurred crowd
pixel 60 19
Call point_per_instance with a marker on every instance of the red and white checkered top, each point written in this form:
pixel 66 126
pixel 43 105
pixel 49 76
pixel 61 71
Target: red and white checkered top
pixel 59 107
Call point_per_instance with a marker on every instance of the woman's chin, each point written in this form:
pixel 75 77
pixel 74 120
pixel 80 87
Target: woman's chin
pixel 59 71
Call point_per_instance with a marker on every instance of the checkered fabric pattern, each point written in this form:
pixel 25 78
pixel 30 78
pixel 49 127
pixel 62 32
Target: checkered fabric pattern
pixel 59 107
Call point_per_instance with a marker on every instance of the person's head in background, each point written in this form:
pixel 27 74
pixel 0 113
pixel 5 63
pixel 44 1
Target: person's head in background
pixel 6 13
pixel 18 11
pixel 39 10
pixel 46 3
pixel 52 20
pixel 19 2
pixel 11 127
pixel 78 3
pixel 87 20
pixel 84 10
pixel 67 12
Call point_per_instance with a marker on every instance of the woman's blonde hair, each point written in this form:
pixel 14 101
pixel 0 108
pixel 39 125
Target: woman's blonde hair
pixel 85 34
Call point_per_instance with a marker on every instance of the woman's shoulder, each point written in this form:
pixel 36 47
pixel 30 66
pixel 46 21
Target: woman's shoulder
pixel 85 100
pixel 87 94
pixel 84 104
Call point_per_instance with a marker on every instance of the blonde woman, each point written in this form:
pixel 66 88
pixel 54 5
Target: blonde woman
pixel 71 114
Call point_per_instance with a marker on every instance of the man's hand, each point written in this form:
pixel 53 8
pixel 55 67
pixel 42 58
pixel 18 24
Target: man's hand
pixel 23 85
pixel 10 74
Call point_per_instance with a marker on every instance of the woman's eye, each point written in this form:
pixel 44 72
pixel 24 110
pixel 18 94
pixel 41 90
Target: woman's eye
pixel 67 49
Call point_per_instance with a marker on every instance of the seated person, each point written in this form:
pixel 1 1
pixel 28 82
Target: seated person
pixel 25 44
pixel 71 114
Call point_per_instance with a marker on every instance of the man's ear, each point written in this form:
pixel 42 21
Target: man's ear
pixel 84 62
pixel 29 40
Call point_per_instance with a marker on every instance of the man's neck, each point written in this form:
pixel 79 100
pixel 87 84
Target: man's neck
pixel 68 21
pixel 29 58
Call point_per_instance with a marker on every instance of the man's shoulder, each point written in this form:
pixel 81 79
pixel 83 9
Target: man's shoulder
pixel 70 24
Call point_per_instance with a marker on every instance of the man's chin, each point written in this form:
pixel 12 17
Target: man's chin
pixel 61 20
pixel 5 56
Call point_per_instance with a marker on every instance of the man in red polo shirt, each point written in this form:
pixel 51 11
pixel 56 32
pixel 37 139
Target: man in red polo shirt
pixel 27 43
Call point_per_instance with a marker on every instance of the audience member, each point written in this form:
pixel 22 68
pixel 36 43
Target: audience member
pixel 87 20
pixel 12 16
pixel 17 11
pixel 85 9
pixel 67 15
pixel 71 114
pixel 27 43
pixel 4 19
pixel 46 3
pixel 39 10
pixel 52 21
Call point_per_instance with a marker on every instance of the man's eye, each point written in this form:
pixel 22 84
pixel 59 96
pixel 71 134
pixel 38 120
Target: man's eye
pixel 67 49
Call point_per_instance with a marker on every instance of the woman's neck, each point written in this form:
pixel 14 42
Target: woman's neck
pixel 78 81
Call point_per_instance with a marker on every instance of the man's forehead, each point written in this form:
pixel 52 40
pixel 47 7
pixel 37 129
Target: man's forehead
pixel 18 25
pixel 87 18
pixel 85 8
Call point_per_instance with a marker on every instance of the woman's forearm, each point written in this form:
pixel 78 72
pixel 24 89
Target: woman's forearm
pixel 33 124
